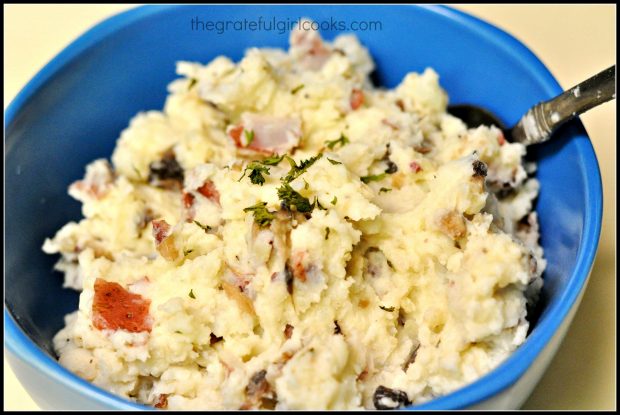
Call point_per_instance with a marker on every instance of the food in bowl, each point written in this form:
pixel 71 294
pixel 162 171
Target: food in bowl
pixel 286 235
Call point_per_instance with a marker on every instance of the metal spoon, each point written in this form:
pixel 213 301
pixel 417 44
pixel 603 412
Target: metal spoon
pixel 540 121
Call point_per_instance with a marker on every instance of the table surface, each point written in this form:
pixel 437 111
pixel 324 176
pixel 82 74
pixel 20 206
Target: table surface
pixel 574 41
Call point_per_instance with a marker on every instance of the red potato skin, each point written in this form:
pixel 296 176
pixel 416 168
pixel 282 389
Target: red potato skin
pixel 357 99
pixel 188 200
pixel 162 401
pixel 235 134
pixel 209 191
pixel 160 230
pixel 116 308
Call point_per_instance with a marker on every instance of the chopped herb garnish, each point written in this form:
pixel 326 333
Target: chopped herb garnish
pixel 337 329
pixel 390 264
pixel 256 172
pixel 186 252
pixel 178 332
pixel 297 89
pixel 192 82
pixel 333 161
pixel 256 176
pixel 306 185
pixel 327 230
pixel 257 167
pixel 372 178
pixel 391 167
pixel 249 136
pixel 191 294
pixel 214 339
pixel 388 309
pixel 384 190
pixel 298 170
pixel 206 228
pixel 261 215
pixel 342 141
pixel 273 160
pixel 334 200
pixel 292 200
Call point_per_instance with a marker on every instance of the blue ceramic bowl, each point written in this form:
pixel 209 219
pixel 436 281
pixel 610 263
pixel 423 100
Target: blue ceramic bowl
pixel 74 109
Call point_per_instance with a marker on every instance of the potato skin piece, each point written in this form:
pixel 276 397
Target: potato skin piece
pixel 115 308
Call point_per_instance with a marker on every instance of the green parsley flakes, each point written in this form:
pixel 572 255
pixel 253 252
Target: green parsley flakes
pixel 249 137
pixel 298 170
pixel 297 89
pixel 256 173
pixel 292 200
pixel 372 178
pixel 261 215
pixel 206 228
pixel 340 141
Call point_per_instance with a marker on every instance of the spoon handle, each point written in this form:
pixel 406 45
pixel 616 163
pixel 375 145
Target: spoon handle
pixel 542 119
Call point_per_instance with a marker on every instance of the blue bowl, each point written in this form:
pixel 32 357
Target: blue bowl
pixel 73 110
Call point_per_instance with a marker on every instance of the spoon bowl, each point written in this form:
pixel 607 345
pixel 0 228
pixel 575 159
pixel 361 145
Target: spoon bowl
pixel 540 121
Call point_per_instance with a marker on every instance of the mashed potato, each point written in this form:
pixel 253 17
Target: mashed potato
pixel 285 235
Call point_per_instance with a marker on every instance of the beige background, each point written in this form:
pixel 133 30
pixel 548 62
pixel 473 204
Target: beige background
pixel 574 41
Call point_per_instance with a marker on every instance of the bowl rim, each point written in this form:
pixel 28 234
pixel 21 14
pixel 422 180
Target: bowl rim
pixel 489 385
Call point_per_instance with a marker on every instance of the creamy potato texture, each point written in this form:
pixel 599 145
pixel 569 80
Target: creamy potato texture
pixel 286 235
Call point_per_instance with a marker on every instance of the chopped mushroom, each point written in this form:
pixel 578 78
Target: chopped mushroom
pixel 213 339
pixel 288 278
pixel 337 329
pixel 480 169
pixel 423 149
pixel 452 224
pixel 164 240
pixel 167 249
pixel 235 293
pixel 166 173
pixel 259 392
pixel 386 398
